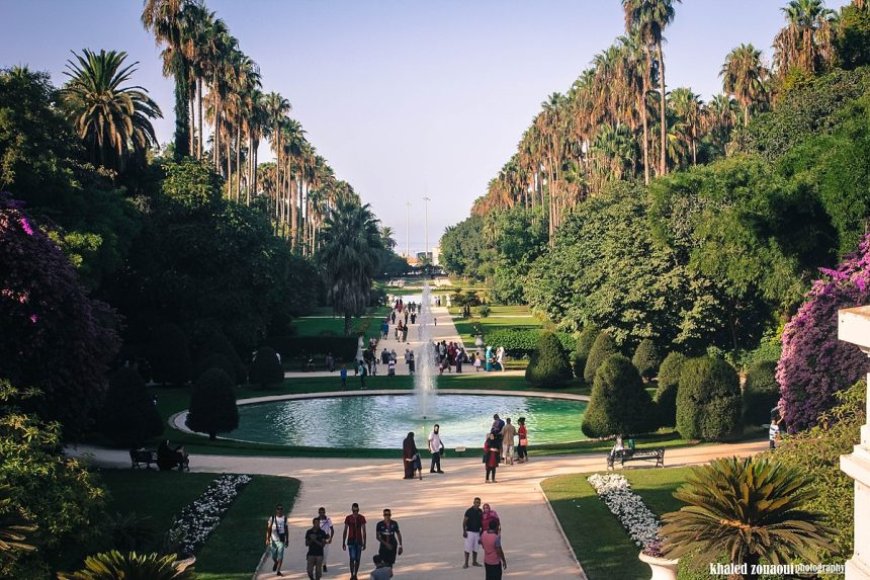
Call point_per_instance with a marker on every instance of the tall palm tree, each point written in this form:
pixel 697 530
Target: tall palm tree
pixel 276 110
pixel 649 18
pixel 806 40
pixel 163 18
pixel 687 107
pixel 348 257
pixel 744 77
pixel 113 120
pixel 719 118
pixel 748 509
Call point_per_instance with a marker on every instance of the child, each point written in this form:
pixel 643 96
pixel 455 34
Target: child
pixel 476 362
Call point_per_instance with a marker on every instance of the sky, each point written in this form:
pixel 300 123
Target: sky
pixel 405 99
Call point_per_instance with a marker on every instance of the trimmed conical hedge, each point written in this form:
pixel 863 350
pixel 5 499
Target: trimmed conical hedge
pixel 666 394
pixel 603 347
pixel 213 404
pixel 549 365
pixel 646 359
pixel 619 405
pixel 708 400
pixel 581 351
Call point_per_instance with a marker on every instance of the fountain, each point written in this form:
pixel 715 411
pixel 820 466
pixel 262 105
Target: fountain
pixel 424 356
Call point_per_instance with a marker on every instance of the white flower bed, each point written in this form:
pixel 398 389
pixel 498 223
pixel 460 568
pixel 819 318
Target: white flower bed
pixel 642 525
pixel 200 518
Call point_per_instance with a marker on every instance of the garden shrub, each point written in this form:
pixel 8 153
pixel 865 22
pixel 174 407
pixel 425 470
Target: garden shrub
pixel 814 364
pixel 266 370
pixel 484 311
pixel 213 404
pixel 760 392
pixel 218 361
pixel 549 365
pixel 666 393
pixel 581 351
pixel 708 399
pixel 522 342
pixel 620 405
pixel 602 349
pixel 170 356
pixel 210 345
pixel 129 416
pixel 646 359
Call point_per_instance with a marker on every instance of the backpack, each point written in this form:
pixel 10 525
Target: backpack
pixel 282 537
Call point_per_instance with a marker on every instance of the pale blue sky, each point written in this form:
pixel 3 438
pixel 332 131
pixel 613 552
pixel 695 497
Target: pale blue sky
pixel 403 98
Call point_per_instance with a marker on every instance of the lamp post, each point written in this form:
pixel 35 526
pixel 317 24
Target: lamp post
pixel 426 251
pixel 408 233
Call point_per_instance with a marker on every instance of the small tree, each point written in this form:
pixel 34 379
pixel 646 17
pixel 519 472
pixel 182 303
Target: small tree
pixel 708 399
pixel 210 343
pixel 129 416
pixel 581 351
pixel 619 404
pixel 602 349
pixel 549 364
pixel 213 404
pixel 170 356
pixel 646 359
pixel 266 371
pixel 666 394
pixel 760 392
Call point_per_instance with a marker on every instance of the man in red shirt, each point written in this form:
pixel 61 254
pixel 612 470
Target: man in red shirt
pixel 353 540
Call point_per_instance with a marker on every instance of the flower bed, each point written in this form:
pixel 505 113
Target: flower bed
pixel 628 507
pixel 196 521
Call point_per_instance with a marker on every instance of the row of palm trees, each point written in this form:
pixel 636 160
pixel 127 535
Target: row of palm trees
pixel 217 84
pixel 603 128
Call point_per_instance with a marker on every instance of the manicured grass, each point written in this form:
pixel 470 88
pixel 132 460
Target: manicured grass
pixel 234 549
pixel 334 325
pixel 500 317
pixel 598 539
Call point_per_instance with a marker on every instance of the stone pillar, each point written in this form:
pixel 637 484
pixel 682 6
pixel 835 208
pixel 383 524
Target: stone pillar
pixel 854 327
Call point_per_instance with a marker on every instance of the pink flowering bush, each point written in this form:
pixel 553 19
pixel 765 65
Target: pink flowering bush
pixel 814 363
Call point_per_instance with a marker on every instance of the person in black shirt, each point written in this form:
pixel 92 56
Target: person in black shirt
pixel 315 538
pixel 471 528
pixel 390 539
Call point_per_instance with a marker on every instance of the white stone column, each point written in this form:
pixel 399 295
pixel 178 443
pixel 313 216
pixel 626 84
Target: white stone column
pixel 854 327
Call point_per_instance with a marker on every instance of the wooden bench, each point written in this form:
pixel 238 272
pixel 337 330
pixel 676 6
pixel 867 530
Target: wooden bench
pixel 138 457
pixel 657 454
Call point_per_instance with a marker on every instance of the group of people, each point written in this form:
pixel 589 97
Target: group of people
pixel 413 463
pixel 320 535
pixel 481 527
pixel 502 439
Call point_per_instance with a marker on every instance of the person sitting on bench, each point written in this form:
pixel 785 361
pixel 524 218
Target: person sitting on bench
pixel 617 447
pixel 169 457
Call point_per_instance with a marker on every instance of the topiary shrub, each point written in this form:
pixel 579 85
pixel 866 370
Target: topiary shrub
pixel 646 359
pixel 666 394
pixel 603 348
pixel 266 370
pixel 484 311
pixel 619 405
pixel 549 365
pixel 581 351
pixel 522 342
pixel 129 416
pixel 708 399
pixel 760 393
pixel 213 404
pixel 814 364
pixel 218 361
pixel 212 345
pixel 170 356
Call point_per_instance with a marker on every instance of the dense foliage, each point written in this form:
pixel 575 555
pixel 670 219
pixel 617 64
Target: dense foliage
pixel 213 404
pixel 266 370
pixel 646 359
pixel 169 356
pixel 668 383
pixel 619 404
pixel 602 349
pixel 114 564
pixel 129 416
pixel 55 337
pixel 814 363
pixel 549 365
pixel 582 348
pixel 760 392
pixel 708 399
pixel 520 342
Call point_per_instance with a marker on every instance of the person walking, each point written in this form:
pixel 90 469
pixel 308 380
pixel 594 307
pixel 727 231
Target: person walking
pixel 276 537
pixel 411 457
pixel 343 374
pixel 522 441
pixel 436 447
pixel 493 553
pixel 499 358
pixel 326 526
pixel 773 432
pixel 389 539
pixel 353 539
pixel 315 540
pixel 508 434
pixel 490 458
pixel 472 524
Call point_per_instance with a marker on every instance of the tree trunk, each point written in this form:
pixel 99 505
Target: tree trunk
pixel 182 128
pixel 229 165
pixel 663 111
pixel 643 116
pixel 347 324
pixel 199 145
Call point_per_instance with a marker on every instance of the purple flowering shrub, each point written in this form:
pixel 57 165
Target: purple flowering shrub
pixel 814 363
pixel 52 335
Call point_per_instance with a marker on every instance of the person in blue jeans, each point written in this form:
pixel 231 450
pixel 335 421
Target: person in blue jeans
pixel 343 375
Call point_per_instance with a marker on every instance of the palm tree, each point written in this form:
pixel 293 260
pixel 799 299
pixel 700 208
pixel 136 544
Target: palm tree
pixel 14 527
pixel 114 121
pixel 687 106
pixel 349 258
pixel 114 564
pixel 719 118
pixel 276 110
pixel 649 18
pixel 163 18
pixel 748 509
pixel 745 77
pixel 806 41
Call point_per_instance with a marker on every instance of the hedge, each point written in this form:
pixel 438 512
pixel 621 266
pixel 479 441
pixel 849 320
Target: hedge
pixel 549 366
pixel 524 342
pixel 760 392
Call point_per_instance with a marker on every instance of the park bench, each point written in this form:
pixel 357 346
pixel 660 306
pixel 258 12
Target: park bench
pixel 657 454
pixel 138 457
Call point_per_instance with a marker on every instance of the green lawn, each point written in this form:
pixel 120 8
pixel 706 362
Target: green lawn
pixel 325 323
pixel 598 539
pixel 500 317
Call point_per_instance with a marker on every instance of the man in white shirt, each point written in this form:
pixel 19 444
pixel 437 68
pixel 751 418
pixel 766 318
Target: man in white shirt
pixel 435 448
pixel 276 537
pixel 326 526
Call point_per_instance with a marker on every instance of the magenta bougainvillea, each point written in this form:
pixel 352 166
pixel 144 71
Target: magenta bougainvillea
pixel 814 363
pixel 52 335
